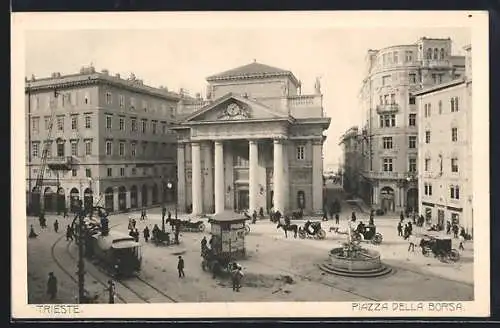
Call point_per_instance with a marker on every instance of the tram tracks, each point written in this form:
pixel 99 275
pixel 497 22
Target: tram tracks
pixel 133 290
pixel 64 269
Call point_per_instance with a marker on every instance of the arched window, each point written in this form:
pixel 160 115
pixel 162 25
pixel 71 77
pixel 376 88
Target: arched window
pixel 436 53
pixel 442 53
pixel 301 200
pixel 429 53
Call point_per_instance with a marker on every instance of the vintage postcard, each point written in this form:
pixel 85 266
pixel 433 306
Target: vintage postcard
pixel 250 164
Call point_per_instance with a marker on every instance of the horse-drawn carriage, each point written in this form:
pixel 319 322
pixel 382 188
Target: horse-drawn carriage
pixel 440 246
pixel 160 237
pixel 368 233
pixel 187 225
pixel 312 229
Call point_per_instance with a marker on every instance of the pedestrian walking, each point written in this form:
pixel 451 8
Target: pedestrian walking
pixel 111 292
pixel 400 229
pixel 401 216
pixel 52 286
pixel 254 217
pixel 143 214
pixel 136 235
pixel 180 267
pixel 56 226
pixel 203 245
pixel 337 218
pixel 163 212
pixel 65 213
pixel 69 233
pixel 32 232
pixel 145 233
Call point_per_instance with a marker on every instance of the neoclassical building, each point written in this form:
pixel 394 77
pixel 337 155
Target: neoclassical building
pixel 255 142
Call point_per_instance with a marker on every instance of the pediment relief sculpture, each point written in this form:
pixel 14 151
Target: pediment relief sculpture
pixel 233 111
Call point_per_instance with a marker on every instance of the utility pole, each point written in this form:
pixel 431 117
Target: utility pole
pixel 81 262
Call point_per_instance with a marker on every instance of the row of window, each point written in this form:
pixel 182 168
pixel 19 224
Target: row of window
pixel 387 142
pixel 436 54
pixel 69 99
pixel 145 105
pixel 60 148
pixel 61 151
pixel 393 57
pixel 133 148
pixel 387 164
pixel 60 122
pixel 134 125
pixel 453 165
pixel 65 99
pixel 454 190
pixel 454 135
pixel 389 120
pixel 453 107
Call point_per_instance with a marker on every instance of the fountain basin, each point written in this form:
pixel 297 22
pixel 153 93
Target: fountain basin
pixel 360 263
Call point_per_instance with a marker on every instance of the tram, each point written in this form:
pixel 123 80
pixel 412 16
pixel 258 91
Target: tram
pixel 117 252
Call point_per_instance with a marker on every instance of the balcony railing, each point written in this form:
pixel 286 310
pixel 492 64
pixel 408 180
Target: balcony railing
pixel 408 176
pixel 61 162
pixel 387 108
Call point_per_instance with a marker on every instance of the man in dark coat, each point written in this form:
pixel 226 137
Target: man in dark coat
pixel 180 267
pixel 337 218
pixel 52 286
pixel 145 232
pixel 56 226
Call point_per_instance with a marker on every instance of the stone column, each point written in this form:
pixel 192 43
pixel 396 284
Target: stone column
pixel 253 182
pixel 181 177
pixel 208 179
pixel 196 178
pixel 317 176
pixel 219 189
pixel 278 176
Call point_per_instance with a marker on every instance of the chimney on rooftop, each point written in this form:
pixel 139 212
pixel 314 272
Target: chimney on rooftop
pixel 105 71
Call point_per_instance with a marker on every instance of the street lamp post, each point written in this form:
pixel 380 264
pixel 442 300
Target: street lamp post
pixel 170 187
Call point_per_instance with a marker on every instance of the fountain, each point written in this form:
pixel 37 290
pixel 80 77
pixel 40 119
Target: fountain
pixel 352 260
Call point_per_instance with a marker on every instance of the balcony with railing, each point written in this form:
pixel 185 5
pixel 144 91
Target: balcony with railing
pixel 407 176
pixel 435 63
pixel 387 108
pixel 64 163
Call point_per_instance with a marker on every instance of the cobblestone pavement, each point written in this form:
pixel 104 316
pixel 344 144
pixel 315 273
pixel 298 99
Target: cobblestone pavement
pixel 272 261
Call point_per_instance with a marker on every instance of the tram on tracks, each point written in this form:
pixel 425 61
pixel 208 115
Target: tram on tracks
pixel 116 252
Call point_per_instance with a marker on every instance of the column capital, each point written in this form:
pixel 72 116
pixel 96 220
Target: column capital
pixel 218 142
pixel 253 141
pixel 195 144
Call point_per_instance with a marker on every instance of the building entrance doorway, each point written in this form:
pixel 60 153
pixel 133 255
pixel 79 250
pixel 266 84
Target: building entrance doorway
pixel 440 219
pixel 242 200
pixel 387 199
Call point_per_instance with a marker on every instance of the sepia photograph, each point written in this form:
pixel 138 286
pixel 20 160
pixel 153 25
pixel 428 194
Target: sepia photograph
pixel 201 165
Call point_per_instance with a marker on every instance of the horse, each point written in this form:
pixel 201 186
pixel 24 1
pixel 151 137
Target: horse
pixel 290 227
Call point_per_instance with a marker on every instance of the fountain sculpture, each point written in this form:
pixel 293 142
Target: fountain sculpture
pixel 352 260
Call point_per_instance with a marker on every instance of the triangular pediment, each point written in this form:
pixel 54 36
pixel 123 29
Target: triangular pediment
pixel 234 108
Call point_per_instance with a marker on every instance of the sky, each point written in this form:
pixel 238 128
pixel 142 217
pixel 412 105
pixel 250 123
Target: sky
pixel 183 58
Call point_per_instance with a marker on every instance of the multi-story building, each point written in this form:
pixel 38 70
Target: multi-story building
pixel 352 142
pixel 115 133
pixel 254 143
pixel 445 151
pixel 393 76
